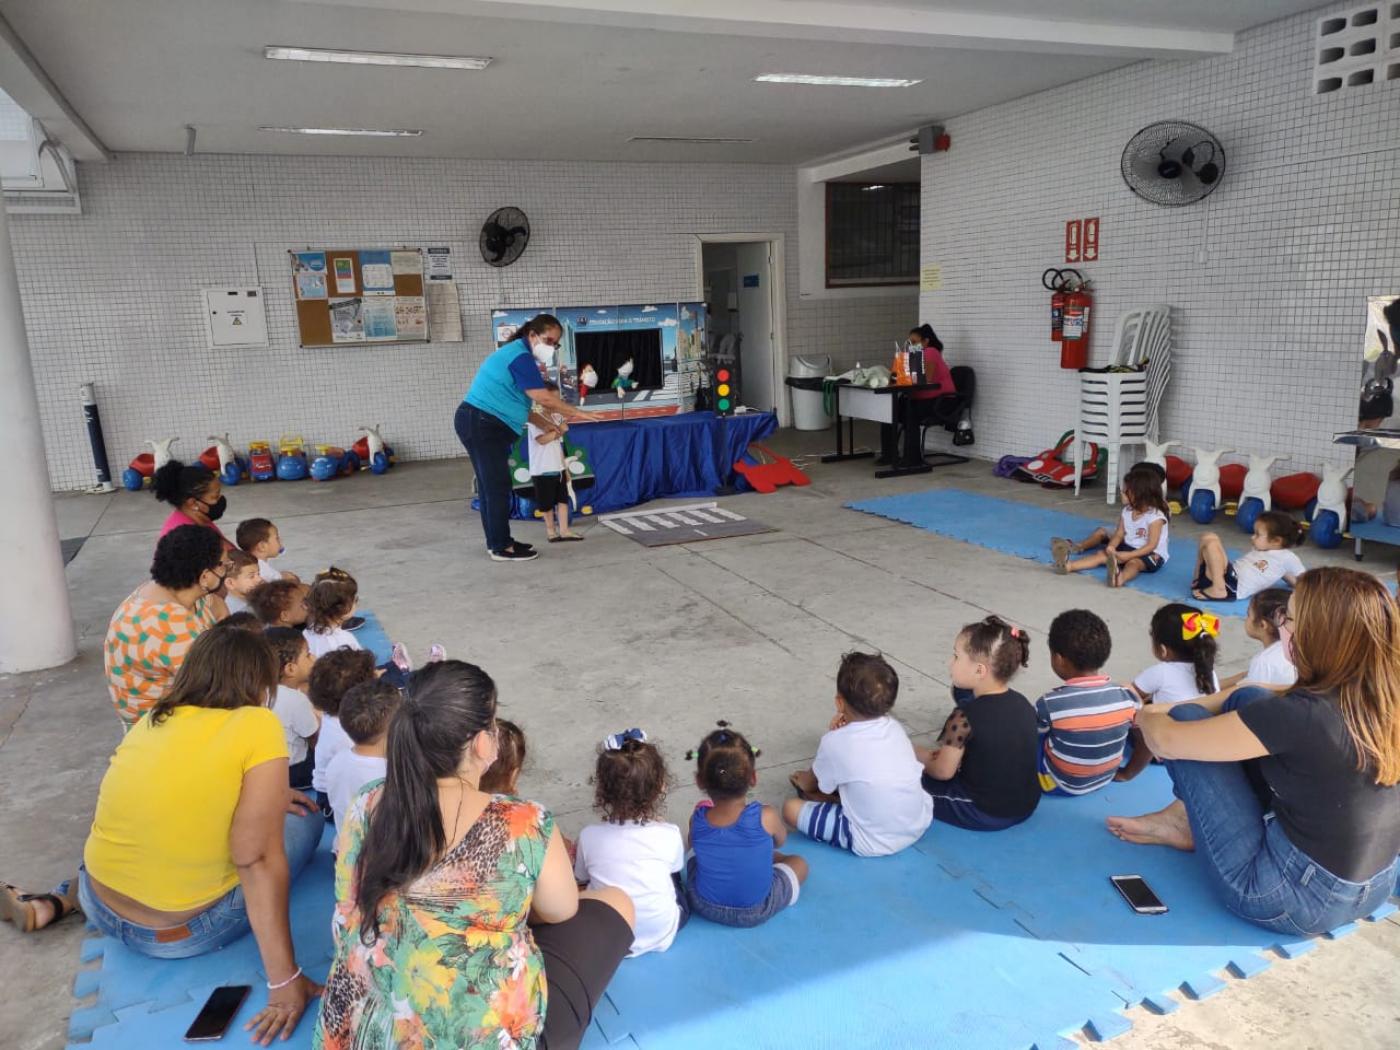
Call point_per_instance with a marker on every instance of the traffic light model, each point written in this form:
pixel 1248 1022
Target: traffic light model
pixel 724 393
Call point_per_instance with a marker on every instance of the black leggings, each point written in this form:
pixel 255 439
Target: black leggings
pixel 580 958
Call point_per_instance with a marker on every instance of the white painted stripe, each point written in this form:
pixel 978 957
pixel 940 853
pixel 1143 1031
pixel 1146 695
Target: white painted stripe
pixel 729 514
pixel 685 519
pixel 704 515
pixel 640 524
pixel 618 527
pixel 661 520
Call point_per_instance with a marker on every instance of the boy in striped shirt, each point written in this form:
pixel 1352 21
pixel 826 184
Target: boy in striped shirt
pixel 1084 723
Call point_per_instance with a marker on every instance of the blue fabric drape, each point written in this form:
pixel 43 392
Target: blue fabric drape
pixel 636 460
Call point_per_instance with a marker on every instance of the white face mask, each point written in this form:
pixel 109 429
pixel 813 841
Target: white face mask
pixel 544 353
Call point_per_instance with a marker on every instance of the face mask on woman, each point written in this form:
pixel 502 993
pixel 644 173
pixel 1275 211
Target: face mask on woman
pixel 214 510
pixel 1285 635
pixel 544 353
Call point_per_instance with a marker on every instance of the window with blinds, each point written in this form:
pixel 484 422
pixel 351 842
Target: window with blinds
pixel 872 234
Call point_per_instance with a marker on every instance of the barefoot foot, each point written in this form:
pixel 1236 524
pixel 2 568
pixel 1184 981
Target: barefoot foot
pixel 1166 827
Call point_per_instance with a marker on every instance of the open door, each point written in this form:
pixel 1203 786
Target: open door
pixel 755 269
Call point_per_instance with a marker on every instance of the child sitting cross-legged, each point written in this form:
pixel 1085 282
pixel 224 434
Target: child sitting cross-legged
pixel 1084 724
pixel 1139 542
pixel 332 676
pixel 862 792
pixel 983 775
pixel 365 713
pixel 241 580
pixel 1267 562
pixel 735 876
pixel 293 709
pixel 633 849
pixel 1183 641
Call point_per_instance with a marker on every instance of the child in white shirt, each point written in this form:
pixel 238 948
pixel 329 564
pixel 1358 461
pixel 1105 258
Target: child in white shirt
pixel 1270 665
pixel 332 676
pixel 1266 563
pixel 863 792
pixel 242 579
pixel 330 602
pixel 293 709
pixel 547 467
pixel 259 537
pixel 632 849
pixel 1184 643
pixel 365 713
pixel 1140 541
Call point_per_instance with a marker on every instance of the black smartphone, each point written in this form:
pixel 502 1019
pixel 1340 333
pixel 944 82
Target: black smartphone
pixel 217 1014
pixel 1138 894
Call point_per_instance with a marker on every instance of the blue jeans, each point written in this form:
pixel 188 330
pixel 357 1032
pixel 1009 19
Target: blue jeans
pixel 782 892
pixel 488 441
pixel 220 924
pixel 1259 873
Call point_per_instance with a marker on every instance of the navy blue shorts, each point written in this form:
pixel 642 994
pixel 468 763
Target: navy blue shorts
pixel 952 804
pixel 1203 584
pixel 1149 562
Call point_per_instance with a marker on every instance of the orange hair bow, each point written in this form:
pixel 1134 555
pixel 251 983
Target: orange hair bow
pixel 1196 623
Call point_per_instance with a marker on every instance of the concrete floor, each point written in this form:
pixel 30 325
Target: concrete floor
pixel 747 629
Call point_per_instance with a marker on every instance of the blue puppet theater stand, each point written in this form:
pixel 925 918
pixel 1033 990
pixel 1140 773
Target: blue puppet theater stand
pixel 633 461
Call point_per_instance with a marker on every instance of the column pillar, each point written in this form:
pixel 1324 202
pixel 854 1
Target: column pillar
pixel 36 621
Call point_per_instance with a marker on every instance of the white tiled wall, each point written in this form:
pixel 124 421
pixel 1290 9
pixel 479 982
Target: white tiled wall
pixel 112 296
pixel 1269 275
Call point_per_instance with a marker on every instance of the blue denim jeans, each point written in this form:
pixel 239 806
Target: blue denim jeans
pixel 782 892
pixel 1259 873
pixel 220 924
pixel 488 441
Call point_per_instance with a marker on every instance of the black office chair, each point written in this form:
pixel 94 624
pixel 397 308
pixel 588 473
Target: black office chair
pixel 952 412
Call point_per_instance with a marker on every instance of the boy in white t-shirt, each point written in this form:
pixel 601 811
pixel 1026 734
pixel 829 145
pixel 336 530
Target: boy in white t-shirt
pixel 863 792
pixel 364 715
pixel 293 709
pixel 632 849
pixel 332 676
pixel 1266 563
pixel 547 466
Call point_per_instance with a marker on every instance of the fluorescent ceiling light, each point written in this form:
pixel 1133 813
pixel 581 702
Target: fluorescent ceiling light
pixel 388 133
pixel 698 140
pixel 877 186
pixel 804 78
pixel 374 58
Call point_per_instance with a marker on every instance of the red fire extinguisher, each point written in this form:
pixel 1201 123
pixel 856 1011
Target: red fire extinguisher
pixel 1070 303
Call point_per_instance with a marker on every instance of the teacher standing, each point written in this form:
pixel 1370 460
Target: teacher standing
pixel 492 417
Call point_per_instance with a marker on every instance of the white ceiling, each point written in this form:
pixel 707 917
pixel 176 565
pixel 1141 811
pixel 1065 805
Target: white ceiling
pixel 572 79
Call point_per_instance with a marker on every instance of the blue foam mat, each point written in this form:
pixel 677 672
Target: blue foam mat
pixel 372 636
pixel 1025 531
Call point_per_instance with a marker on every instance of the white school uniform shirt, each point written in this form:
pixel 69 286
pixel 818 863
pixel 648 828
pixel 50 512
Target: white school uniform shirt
pixel 639 859
pixel 322 642
pixel 299 722
pixel 332 741
pixel 1271 666
pixel 871 765
pixel 1136 527
pixel 235 604
pixel 1171 683
pixel 544 459
pixel 348 772
pixel 1259 570
pixel 267 572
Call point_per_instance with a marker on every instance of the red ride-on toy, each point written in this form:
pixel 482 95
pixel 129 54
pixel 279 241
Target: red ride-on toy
pixel 1054 467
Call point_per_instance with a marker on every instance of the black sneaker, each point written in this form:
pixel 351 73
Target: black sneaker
pixel 354 623
pixel 522 545
pixel 514 554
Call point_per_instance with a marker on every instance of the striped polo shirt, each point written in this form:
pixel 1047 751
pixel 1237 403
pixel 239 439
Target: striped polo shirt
pixel 1084 724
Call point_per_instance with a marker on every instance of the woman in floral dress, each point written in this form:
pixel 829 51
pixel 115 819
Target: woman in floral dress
pixel 458 922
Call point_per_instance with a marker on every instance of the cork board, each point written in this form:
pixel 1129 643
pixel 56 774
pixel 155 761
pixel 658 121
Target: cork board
pixel 359 297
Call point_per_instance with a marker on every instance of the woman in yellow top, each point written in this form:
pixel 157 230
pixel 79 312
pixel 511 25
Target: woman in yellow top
pixel 153 629
pixel 197 837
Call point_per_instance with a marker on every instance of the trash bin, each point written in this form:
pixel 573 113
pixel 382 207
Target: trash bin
pixel 804 377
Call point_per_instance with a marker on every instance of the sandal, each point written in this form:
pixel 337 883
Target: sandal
pixel 18 908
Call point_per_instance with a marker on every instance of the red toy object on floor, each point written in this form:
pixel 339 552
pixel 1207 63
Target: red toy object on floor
pixel 1295 491
pixel 1050 468
pixel 1232 480
pixel 1178 472
pixel 771 470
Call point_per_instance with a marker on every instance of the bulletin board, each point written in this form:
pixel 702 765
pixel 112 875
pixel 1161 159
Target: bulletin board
pixel 359 297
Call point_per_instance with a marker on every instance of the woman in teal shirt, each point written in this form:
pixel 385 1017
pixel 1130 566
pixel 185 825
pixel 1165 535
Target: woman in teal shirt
pixel 492 417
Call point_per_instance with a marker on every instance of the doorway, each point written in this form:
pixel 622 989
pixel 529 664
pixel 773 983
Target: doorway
pixel 742 285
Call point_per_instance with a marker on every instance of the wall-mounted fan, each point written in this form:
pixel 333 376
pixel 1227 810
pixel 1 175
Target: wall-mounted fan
pixel 1172 162
pixel 504 236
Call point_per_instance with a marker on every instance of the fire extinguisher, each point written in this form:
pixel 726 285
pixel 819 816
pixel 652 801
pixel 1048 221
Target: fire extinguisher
pixel 1070 303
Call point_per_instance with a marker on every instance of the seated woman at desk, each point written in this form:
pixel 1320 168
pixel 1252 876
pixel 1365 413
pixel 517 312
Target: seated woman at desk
pixel 935 372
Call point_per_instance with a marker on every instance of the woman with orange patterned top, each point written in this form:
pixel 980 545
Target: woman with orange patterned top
pixel 153 629
pixel 457 920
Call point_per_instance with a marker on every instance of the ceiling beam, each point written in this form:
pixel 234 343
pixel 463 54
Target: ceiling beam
pixel 842 21
pixel 24 80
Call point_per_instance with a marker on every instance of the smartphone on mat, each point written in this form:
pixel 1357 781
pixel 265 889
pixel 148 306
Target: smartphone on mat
pixel 1138 894
pixel 217 1014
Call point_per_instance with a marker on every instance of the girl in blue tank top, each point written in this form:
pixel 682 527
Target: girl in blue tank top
pixel 735 876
